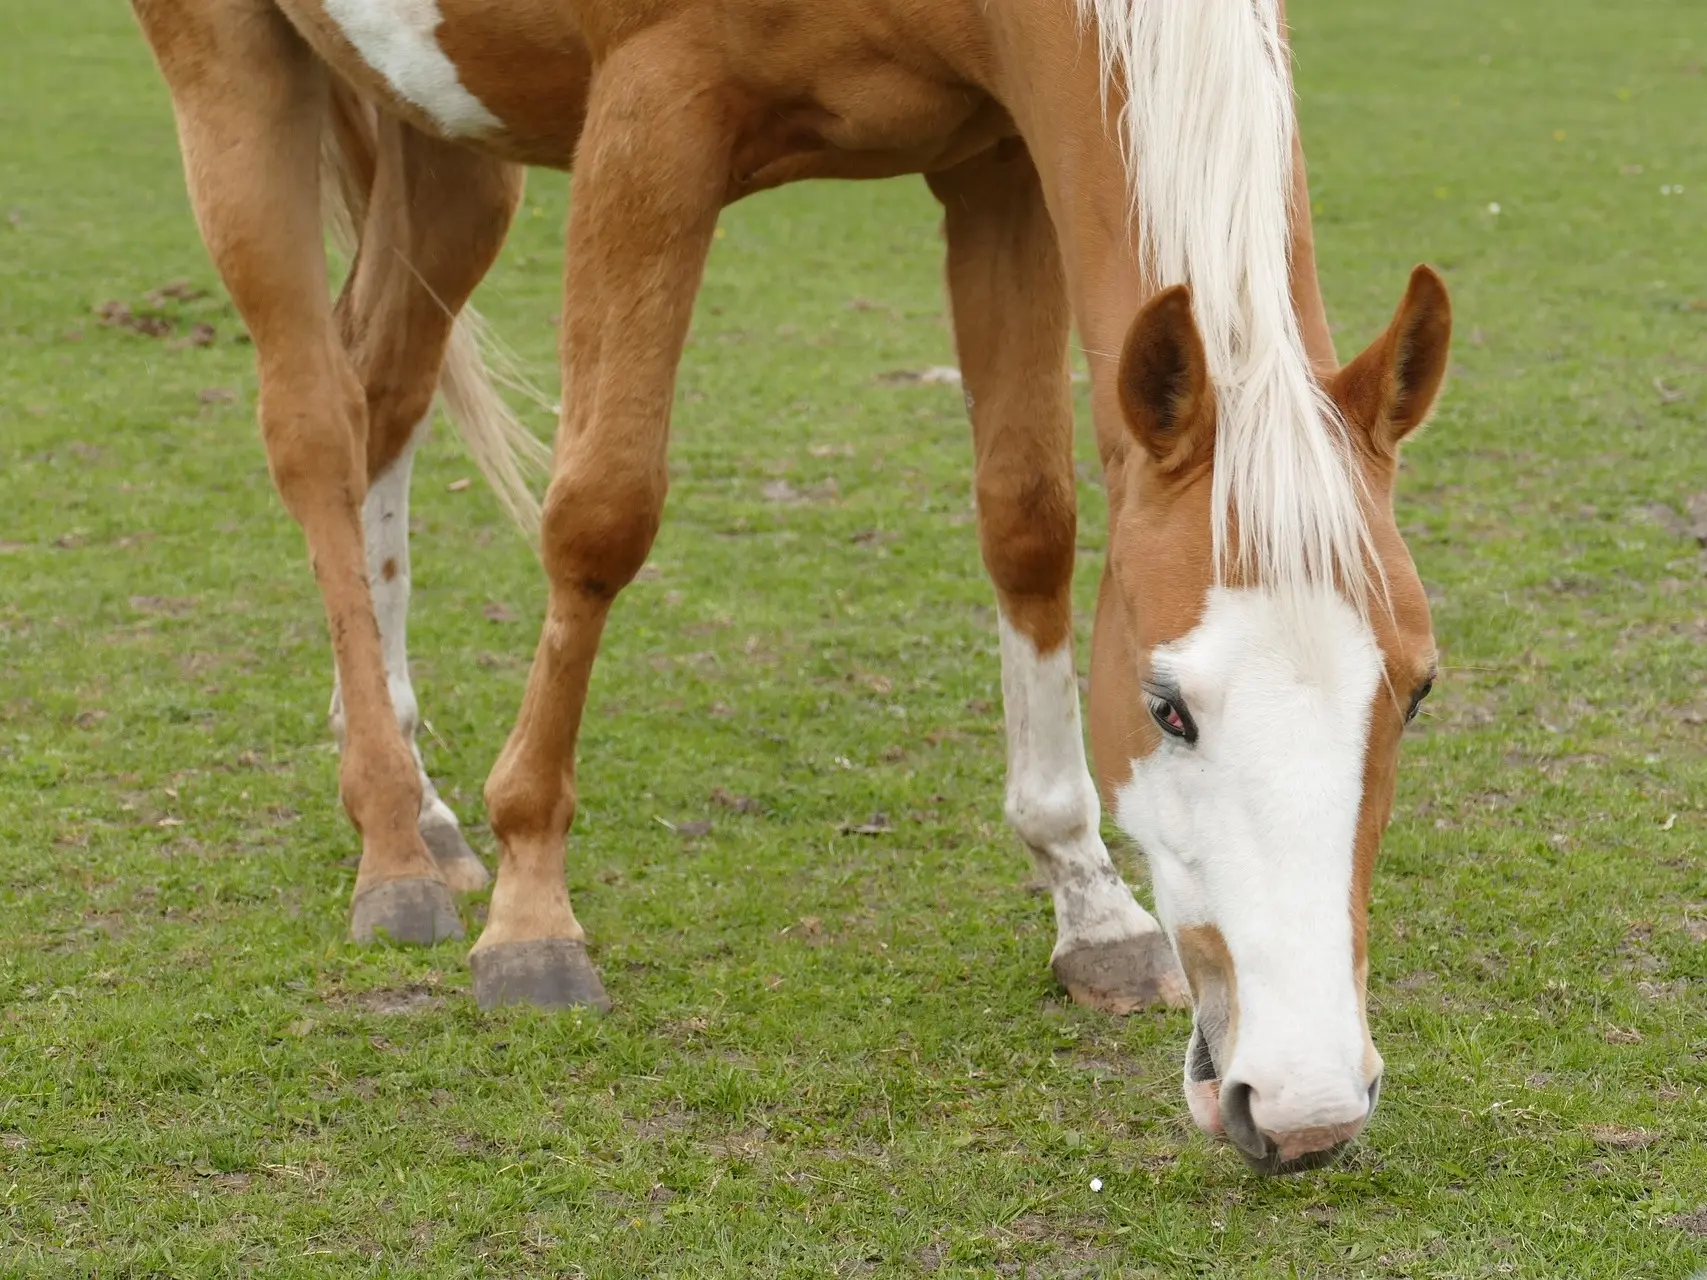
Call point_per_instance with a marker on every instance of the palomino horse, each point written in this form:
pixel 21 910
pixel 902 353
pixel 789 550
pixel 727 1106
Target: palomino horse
pixel 1261 636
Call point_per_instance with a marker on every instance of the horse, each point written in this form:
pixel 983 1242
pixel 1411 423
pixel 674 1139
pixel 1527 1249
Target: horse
pixel 1128 167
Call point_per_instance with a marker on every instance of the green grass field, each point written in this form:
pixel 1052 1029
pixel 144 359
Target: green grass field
pixel 836 1054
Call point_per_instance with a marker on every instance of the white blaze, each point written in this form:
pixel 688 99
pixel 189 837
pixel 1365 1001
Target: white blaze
pixel 398 39
pixel 1253 829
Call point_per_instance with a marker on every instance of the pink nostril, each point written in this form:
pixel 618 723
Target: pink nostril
pixel 1203 1097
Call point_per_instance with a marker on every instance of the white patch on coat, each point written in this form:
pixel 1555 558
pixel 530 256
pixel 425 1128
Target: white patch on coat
pixel 385 525
pixel 1253 829
pixel 1051 801
pixel 399 40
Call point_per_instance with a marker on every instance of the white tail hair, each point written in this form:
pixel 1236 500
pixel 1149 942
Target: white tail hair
pixel 1207 130
pixel 507 454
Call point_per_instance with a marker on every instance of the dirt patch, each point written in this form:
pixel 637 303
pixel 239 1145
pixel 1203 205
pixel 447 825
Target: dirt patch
pixel 781 491
pixel 160 314
pixel 417 998
pixel 165 606
pixel 1695 921
pixel 1617 1136
pixel 810 930
pixel 1690 523
pixel 1693 1223
pixel 726 799
pixel 937 375
pixel 878 824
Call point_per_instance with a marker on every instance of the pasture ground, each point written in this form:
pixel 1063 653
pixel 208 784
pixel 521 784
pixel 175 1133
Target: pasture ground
pixel 841 1053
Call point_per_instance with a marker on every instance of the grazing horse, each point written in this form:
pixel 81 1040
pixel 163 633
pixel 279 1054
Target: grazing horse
pixel 1128 166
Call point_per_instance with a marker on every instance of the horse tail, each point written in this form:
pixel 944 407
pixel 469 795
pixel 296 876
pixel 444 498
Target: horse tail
pixel 506 452
pixel 1208 130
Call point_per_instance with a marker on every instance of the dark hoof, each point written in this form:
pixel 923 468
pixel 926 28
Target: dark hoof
pixel 460 865
pixel 548 973
pixel 411 910
pixel 1125 976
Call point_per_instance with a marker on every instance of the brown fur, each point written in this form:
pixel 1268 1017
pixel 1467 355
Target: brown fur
pixel 1214 983
pixel 669 110
pixel 1009 301
pixel 1164 386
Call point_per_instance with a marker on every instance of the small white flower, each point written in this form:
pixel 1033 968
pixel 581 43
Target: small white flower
pixel 1096 1184
pixel 1494 207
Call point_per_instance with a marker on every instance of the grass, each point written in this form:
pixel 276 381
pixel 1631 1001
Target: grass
pixel 842 1054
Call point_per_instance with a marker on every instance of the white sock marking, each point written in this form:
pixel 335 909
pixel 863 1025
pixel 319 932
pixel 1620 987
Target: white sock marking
pixel 1052 802
pixel 385 524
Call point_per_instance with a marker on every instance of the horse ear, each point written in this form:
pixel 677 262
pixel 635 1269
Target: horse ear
pixel 1389 390
pixel 1164 383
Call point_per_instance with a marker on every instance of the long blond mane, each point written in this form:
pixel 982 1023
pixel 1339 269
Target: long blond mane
pixel 1207 130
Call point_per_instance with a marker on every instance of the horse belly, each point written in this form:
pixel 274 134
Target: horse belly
pixel 510 78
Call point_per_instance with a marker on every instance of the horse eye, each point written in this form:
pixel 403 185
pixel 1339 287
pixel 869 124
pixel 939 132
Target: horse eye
pixel 1417 699
pixel 1172 717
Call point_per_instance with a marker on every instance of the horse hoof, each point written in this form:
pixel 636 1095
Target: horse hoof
pixel 1123 976
pixel 460 865
pixel 411 910
pixel 548 973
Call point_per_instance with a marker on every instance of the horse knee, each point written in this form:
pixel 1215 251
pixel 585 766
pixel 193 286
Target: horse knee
pixel 598 523
pixel 1028 529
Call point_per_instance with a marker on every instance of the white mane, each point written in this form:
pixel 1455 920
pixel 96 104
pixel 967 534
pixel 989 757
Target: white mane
pixel 1207 131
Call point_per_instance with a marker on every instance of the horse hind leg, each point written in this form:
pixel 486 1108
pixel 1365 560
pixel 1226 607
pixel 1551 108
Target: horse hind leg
pixel 385 525
pixel 250 122
pixel 428 231
pixel 1011 324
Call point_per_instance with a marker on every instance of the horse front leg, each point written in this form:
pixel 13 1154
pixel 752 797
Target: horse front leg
pixel 1011 324
pixel 651 177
